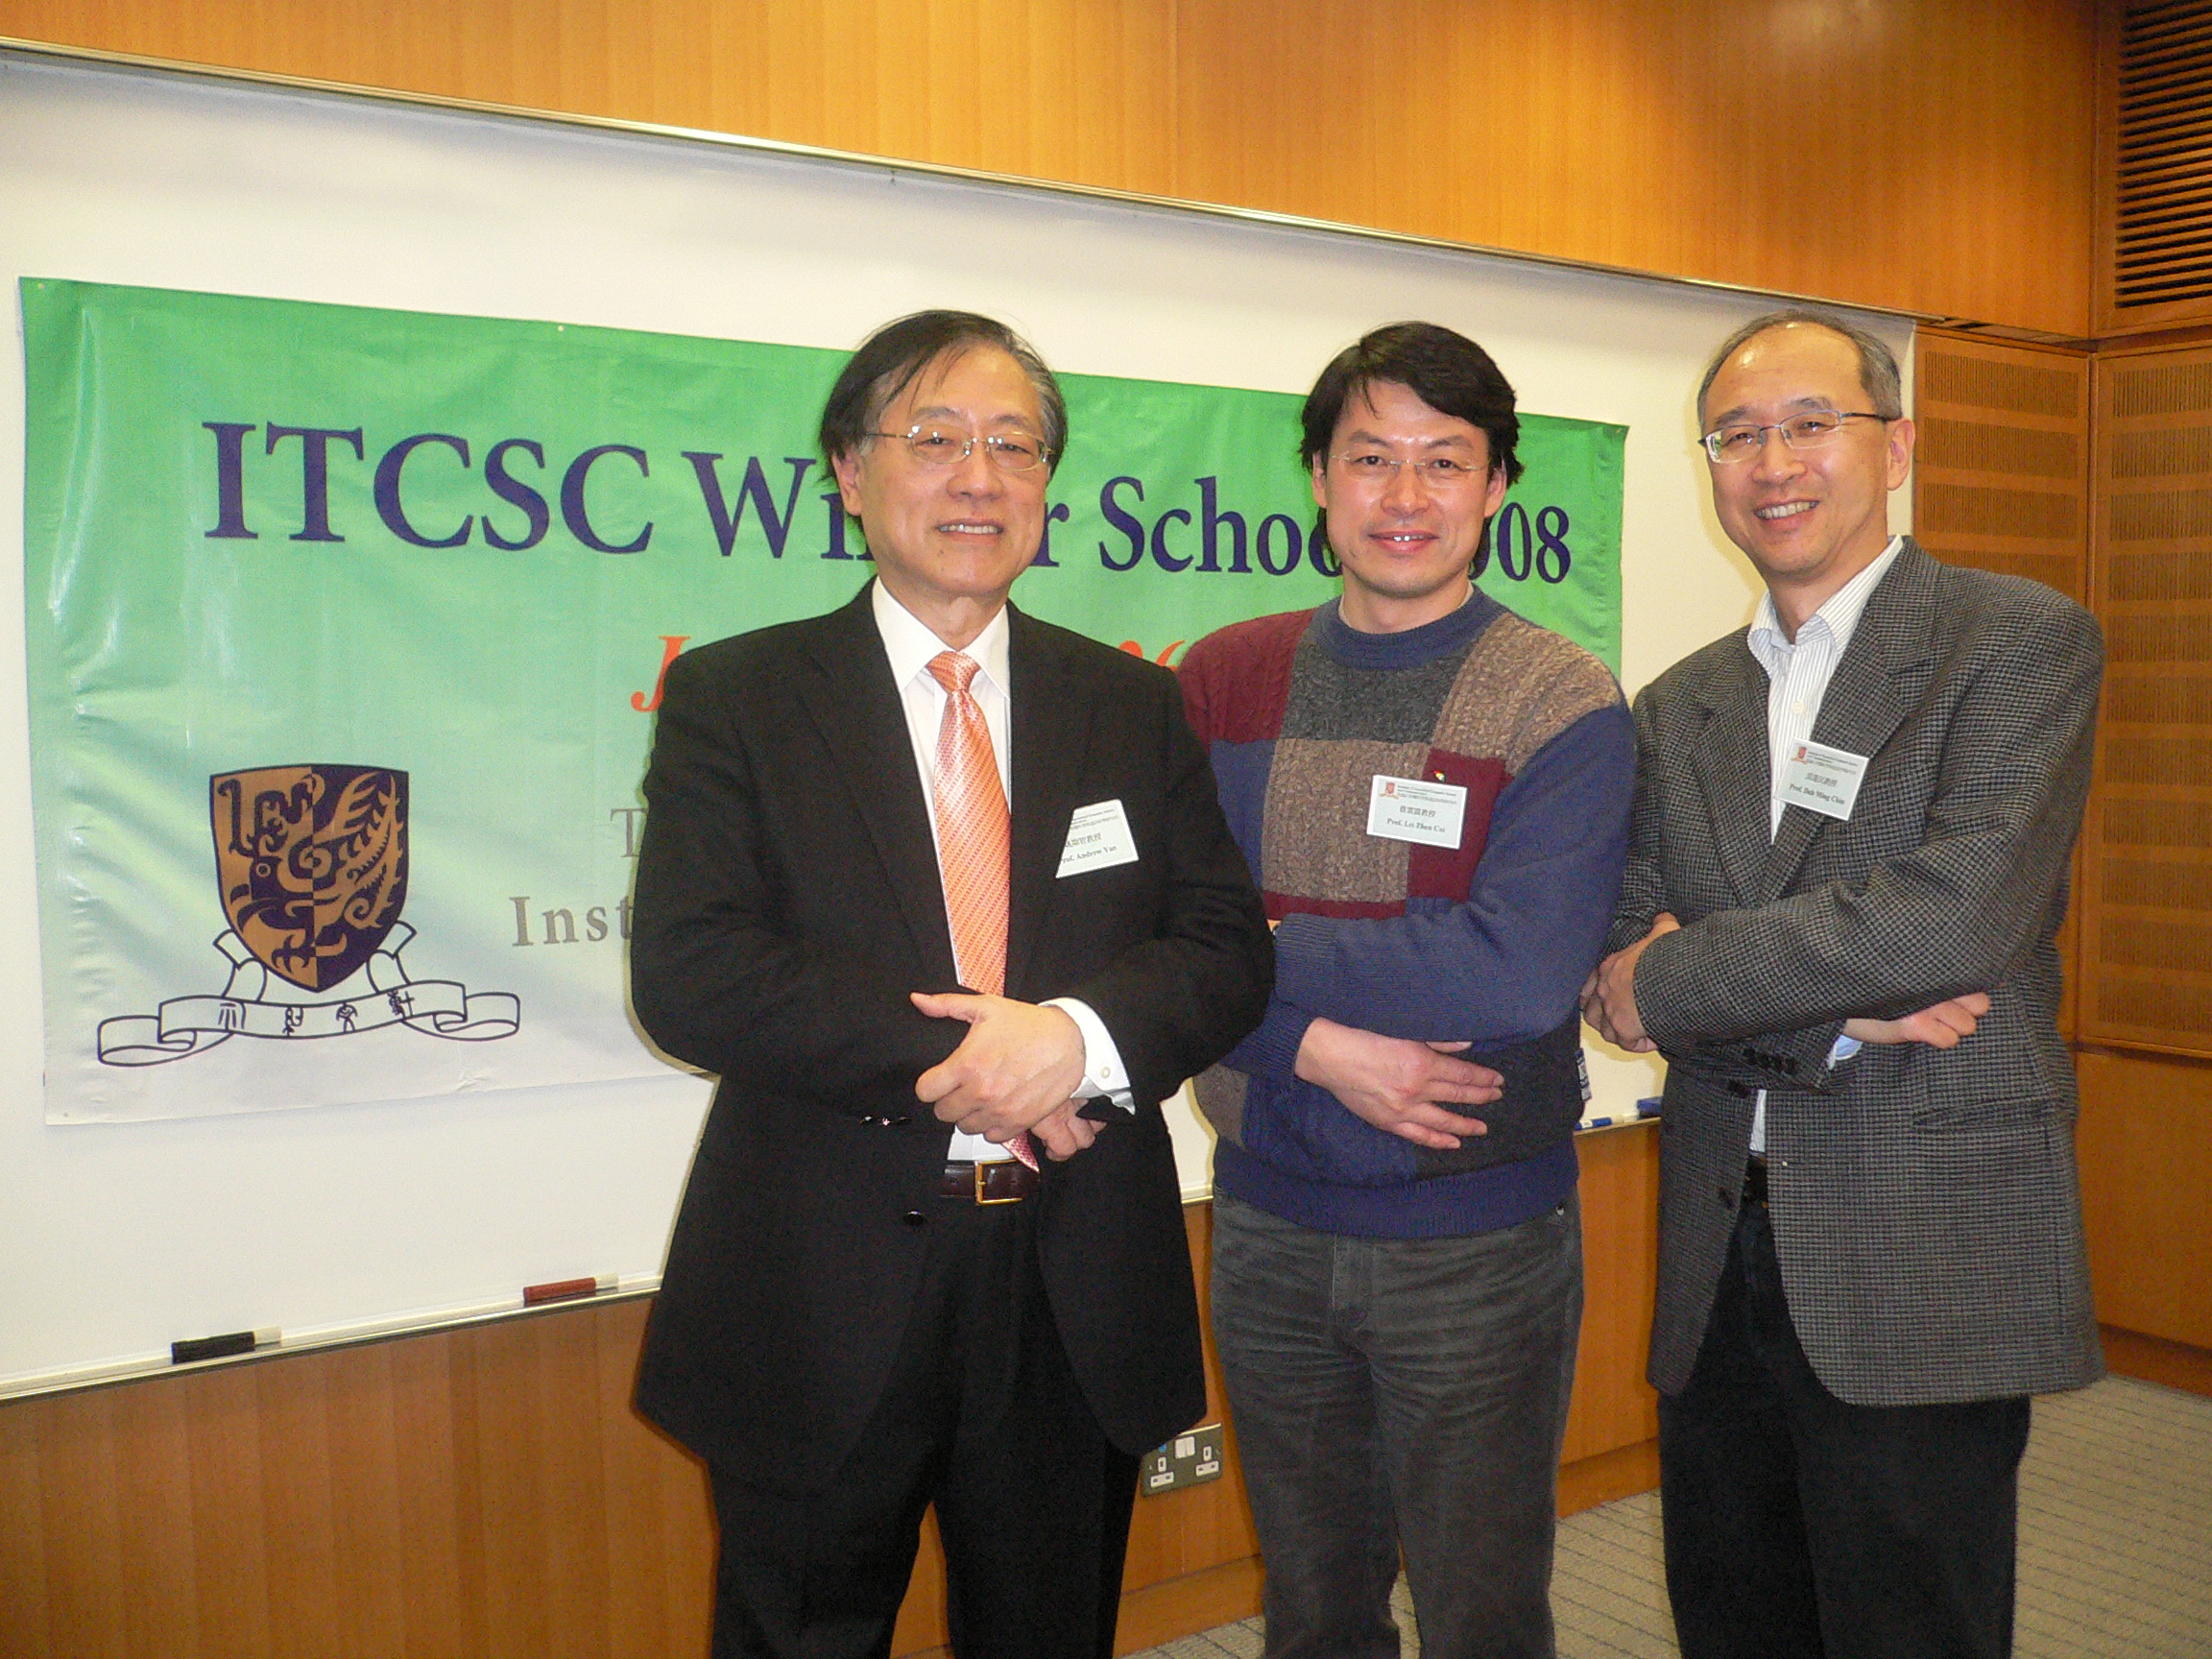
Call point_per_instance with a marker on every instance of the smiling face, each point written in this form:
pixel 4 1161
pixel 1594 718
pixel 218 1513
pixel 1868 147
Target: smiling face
pixel 1810 519
pixel 948 541
pixel 1404 542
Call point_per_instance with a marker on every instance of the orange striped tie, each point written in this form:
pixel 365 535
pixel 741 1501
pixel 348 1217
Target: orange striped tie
pixel 973 840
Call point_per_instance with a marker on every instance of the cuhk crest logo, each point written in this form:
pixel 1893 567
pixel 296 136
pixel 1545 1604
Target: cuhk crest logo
pixel 311 866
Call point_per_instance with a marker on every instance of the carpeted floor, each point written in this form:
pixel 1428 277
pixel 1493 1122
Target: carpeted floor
pixel 2115 1546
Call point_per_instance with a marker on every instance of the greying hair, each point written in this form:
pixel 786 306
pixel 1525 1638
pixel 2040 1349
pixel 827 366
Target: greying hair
pixel 897 354
pixel 1877 366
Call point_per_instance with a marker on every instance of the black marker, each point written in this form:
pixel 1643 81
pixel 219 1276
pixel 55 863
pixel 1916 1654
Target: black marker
pixel 224 1347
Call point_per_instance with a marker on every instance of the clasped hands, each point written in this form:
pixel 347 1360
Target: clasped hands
pixel 1609 1005
pixel 1018 1069
pixel 1403 1087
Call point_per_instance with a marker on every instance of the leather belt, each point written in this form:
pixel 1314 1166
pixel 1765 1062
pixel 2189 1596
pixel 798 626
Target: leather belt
pixel 1755 1180
pixel 1005 1183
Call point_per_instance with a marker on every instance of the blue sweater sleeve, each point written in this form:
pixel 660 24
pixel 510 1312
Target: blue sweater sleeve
pixel 1272 1051
pixel 1507 962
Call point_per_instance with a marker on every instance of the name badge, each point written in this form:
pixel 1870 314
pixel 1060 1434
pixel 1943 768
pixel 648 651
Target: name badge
pixel 1416 809
pixel 1098 838
pixel 1822 780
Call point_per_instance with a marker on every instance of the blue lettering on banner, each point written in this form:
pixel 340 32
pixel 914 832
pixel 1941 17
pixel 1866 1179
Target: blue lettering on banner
pixel 1128 524
pixel 776 526
pixel 1541 552
pixel 573 512
pixel 387 491
pixel 516 493
pixel 1212 520
pixel 315 474
pixel 1211 537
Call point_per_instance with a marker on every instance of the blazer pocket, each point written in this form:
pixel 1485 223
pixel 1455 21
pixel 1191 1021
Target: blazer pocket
pixel 1967 1117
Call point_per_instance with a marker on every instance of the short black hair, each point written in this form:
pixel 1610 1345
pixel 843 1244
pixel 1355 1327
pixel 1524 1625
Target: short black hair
pixel 890 359
pixel 1441 366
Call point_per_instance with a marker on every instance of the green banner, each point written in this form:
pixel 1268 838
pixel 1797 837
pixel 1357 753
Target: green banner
pixel 333 612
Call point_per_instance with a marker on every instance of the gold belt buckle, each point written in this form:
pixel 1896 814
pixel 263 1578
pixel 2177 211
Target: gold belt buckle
pixel 981 1181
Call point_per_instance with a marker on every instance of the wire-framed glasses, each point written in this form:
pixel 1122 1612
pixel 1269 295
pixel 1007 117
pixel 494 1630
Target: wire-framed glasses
pixel 1807 431
pixel 1378 470
pixel 948 446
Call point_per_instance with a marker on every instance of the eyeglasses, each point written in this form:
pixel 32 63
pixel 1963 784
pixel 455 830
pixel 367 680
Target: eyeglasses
pixel 943 447
pixel 1808 431
pixel 1440 472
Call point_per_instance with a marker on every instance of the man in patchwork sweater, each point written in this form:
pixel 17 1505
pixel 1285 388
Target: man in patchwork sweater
pixel 1433 795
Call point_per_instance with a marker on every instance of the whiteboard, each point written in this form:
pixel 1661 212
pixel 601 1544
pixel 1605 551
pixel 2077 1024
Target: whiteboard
pixel 334 1221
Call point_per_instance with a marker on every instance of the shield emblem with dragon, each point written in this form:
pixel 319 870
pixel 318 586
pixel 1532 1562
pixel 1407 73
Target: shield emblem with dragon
pixel 312 861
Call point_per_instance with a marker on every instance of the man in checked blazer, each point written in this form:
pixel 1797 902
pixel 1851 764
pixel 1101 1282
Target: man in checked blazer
pixel 1847 865
pixel 870 1304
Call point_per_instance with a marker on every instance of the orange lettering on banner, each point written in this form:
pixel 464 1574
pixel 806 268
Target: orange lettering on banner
pixel 646 702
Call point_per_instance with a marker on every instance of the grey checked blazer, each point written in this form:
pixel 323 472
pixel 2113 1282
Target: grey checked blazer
pixel 1925 1203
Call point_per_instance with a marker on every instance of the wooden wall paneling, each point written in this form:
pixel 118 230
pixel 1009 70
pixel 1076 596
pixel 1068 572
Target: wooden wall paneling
pixel 368 1576
pixel 65 1455
pixel 1957 182
pixel 545 1503
pixel 2147 912
pixel 661 1537
pixel 1613 1406
pixel 447 1379
pixel 489 1491
pixel 2000 475
pixel 2154 1360
pixel 2001 482
pixel 24 1571
pixel 2146 1147
pixel 152 1477
pixel 230 1512
pixel 320 1485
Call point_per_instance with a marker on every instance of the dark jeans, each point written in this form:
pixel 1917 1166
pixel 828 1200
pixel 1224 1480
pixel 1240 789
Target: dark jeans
pixel 1395 1393
pixel 1800 1526
pixel 980 1417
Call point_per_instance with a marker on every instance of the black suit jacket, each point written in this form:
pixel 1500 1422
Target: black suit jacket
pixel 787 901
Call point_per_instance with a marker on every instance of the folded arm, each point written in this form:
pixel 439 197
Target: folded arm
pixel 1501 965
pixel 1945 921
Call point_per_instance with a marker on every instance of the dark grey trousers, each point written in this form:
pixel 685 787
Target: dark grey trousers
pixel 1397 1394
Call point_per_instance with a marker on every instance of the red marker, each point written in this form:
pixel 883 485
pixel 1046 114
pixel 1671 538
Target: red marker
pixel 568 1289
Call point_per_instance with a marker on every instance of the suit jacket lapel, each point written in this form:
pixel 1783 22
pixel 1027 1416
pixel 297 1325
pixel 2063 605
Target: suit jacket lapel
pixel 1732 768
pixel 1866 700
pixel 1051 732
pixel 849 694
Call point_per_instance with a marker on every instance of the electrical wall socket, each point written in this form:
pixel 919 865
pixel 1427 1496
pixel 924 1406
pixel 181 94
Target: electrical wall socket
pixel 1192 1456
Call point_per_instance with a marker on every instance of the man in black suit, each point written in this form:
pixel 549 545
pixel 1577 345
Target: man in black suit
pixel 869 1306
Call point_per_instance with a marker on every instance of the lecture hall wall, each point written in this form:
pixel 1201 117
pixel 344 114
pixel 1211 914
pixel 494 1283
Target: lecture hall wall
pixel 1933 157
pixel 1926 155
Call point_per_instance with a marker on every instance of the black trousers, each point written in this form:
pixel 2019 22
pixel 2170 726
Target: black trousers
pixel 982 1417
pixel 1796 1524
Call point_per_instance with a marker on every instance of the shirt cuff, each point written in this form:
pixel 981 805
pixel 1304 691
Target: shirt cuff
pixel 1845 1047
pixel 1103 1073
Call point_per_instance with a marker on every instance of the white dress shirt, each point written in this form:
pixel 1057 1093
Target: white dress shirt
pixel 1797 675
pixel 911 647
